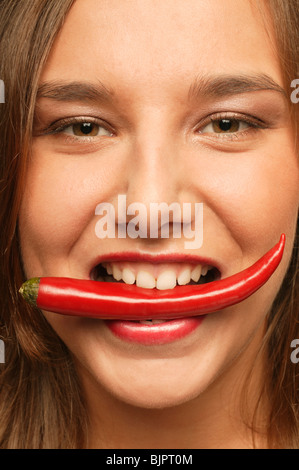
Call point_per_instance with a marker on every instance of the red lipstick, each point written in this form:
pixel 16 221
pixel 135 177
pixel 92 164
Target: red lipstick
pixel 161 333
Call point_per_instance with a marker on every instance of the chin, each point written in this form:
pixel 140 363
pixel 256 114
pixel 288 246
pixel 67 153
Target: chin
pixel 154 392
pixel 156 399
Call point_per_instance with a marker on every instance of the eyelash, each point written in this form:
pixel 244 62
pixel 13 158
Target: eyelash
pixel 60 127
pixel 252 122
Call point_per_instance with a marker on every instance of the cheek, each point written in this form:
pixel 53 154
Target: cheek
pixel 47 212
pixel 254 194
pixel 56 208
pixel 62 193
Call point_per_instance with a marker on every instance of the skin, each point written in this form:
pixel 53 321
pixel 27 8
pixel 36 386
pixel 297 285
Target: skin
pixel 160 149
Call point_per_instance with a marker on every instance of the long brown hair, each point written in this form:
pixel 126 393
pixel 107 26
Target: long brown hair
pixel 281 383
pixel 41 405
pixel 35 410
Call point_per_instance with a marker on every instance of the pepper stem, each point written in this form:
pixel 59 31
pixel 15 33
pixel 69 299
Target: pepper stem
pixel 29 290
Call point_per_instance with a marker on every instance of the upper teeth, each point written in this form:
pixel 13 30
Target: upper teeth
pixel 155 277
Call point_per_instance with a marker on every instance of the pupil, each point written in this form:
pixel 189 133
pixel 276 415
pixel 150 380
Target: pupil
pixel 225 124
pixel 86 128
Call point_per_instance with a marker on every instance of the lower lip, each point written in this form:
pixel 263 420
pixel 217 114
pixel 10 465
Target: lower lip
pixel 160 333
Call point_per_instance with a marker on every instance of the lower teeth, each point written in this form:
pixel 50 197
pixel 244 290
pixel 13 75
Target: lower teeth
pixel 151 322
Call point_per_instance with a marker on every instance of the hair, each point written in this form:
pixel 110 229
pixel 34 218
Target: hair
pixel 41 402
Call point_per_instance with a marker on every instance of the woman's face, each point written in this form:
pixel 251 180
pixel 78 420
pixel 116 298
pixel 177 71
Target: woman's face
pixel 188 109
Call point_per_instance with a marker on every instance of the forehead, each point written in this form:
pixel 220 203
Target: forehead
pixel 157 44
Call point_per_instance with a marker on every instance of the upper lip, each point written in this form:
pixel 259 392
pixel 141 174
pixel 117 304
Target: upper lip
pixel 154 258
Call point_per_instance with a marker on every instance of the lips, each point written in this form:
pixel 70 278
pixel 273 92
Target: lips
pixel 119 301
pixel 154 332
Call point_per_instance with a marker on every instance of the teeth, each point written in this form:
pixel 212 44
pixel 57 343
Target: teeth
pixel 145 279
pixel 128 276
pixel 109 269
pixel 116 272
pixel 151 322
pixel 184 277
pixel 195 273
pixel 166 279
pixel 204 270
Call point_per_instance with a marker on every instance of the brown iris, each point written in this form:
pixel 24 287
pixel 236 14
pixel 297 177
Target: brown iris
pixel 226 125
pixel 85 129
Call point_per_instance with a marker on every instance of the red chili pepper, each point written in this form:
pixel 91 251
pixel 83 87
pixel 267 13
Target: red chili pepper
pixel 107 300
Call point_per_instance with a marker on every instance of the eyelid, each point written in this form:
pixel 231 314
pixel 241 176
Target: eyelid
pixel 252 121
pixel 60 125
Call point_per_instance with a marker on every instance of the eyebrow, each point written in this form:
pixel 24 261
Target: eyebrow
pixel 74 91
pixel 208 86
pixel 226 85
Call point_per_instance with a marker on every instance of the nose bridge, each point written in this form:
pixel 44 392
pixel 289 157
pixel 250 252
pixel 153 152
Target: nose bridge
pixel 153 176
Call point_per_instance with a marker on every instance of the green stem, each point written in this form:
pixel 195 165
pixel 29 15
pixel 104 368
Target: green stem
pixel 29 290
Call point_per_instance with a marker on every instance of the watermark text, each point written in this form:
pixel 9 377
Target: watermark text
pixel 2 92
pixel 2 352
pixel 295 354
pixel 186 221
pixel 295 93
pixel 155 460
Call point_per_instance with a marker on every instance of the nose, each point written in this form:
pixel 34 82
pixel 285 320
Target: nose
pixel 156 186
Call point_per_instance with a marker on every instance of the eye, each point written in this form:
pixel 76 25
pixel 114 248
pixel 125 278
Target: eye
pixel 225 126
pixel 86 129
